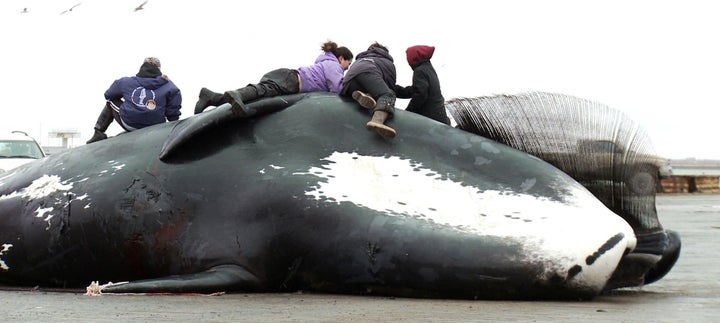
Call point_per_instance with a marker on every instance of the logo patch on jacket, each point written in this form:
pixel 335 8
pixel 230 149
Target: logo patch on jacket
pixel 144 98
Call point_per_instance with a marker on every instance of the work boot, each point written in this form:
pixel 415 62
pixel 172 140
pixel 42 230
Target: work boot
pixel 365 100
pixel 237 99
pixel 99 135
pixel 377 124
pixel 103 122
pixel 208 98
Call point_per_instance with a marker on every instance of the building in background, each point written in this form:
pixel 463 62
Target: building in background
pixel 63 139
pixel 692 176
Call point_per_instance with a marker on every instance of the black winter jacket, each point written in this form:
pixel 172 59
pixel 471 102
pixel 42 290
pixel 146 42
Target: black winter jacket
pixel 424 93
pixel 374 60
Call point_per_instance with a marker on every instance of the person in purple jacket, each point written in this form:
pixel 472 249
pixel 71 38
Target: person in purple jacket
pixel 139 101
pixel 326 75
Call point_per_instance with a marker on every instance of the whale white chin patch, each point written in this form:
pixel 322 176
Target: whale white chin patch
pixel 401 187
pixel 562 233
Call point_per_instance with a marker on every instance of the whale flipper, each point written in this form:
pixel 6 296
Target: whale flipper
pixel 217 279
pixel 187 129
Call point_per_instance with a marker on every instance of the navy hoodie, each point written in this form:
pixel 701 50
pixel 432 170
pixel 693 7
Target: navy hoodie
pixel 149 98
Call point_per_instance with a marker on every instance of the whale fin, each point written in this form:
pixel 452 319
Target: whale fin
pixel 217 279
pixel 187 129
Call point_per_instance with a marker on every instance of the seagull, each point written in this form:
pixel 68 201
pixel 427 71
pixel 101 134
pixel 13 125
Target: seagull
pixel 71 8
pixel 140 7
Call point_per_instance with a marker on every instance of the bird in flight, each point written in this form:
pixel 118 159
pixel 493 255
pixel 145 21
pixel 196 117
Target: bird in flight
pixel 140 7
pixel 71 8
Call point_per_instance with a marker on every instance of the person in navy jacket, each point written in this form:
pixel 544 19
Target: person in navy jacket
pixel 139 101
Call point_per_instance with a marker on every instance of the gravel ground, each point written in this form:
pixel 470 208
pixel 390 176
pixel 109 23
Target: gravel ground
pixel 689 293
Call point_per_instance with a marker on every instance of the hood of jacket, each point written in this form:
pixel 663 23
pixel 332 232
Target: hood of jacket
pixel 327 56
pixel 374 52
pixel 373 60
pixel 418 54
pixel 150 77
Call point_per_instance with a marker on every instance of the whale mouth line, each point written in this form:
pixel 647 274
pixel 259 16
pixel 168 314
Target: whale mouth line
pixel 651 260
pixel 608 245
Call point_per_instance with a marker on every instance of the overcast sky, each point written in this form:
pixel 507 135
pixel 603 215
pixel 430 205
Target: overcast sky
pixel 657 61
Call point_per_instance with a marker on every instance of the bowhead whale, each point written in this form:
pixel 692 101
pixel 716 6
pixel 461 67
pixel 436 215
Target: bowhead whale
pixel 306 199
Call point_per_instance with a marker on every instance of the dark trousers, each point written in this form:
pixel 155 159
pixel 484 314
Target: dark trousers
pixel 110 112
pixel 374 85
pixel 278 82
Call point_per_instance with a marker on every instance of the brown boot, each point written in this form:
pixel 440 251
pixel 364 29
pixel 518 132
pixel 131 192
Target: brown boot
pixel 377 124
pixel 365 100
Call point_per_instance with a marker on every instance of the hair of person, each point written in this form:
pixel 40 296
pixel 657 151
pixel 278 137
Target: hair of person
pixel 378 45
pixel 152 60
pixel 342 51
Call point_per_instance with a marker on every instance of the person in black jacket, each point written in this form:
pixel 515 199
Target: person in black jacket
pixel 425 96
pixel 370 81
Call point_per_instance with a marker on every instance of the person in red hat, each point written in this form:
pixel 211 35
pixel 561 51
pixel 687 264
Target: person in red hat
pixel 425 96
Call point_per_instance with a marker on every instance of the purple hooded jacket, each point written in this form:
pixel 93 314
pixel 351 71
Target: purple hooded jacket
pixel 326 75
pixel 147 100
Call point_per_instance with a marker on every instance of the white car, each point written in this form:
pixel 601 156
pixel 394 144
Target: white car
pixel 18 148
